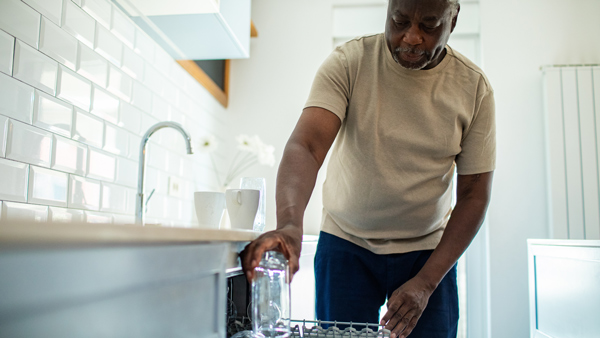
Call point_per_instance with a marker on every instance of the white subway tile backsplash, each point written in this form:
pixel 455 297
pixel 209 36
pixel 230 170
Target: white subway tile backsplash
pixel 88 129
pixel 154 80
pixel 176 115
pixel 175 163
pixel 58 44
pixel 99 10
pixel 48 187
pixel 133 64
pixel 91 65
pixel 131 201
pixel 189 213
pixel 116 140
pixel 157 157
pixel 20 21
pixel 51 9
pixel 84 193
pixel 63 215
pixel 80 24
pixel 134 145
pixel 7 48
pixel 97 217
pixel 12 211
pixel 171 93
pixel 52 114
pixel 105 105
pixel 101 165
pixel 112 82
pixel 157 206
pixel 16 99
pixel 69 156
pixel 174 209
pixel 144 45
pixel 14 180
pixel 34 68
pixel 108 45
pixel 114 198
pixel 122 27
pixel 184 103
pixel 163 61
pixel 147 122
pixel 3 132
pixel 127 172
pixel 155 179
pixel 160 108
pixel 73 88
pixel 123 219
pixel 119 83
pixel 28 144
pixel 141 97
pixel 130 118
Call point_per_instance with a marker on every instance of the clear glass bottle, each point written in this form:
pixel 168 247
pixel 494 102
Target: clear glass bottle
pixel 271 296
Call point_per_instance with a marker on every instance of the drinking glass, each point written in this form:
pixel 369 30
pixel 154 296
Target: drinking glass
pixel 257 183
pixel 271 297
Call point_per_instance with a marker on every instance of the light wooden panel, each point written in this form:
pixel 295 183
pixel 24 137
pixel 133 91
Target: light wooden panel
pixel 556 146
pixel 573 154
pixel 589 159
pixel 221 95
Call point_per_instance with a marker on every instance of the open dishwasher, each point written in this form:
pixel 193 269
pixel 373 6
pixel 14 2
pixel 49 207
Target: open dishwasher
pixel 239 312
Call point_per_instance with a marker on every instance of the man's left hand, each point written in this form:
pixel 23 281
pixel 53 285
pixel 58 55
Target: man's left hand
pixel 405 307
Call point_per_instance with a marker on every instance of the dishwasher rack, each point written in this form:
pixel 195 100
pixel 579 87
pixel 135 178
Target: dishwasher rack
pixel 314 329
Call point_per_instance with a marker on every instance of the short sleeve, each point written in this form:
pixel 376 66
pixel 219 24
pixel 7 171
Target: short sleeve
pixel 331 89
pixel 478 147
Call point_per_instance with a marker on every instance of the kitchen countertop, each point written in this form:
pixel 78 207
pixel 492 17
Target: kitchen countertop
pixel 14 232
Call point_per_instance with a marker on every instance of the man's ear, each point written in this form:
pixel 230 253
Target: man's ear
pixel 454 17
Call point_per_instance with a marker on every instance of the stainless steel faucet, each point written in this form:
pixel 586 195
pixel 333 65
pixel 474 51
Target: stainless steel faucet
pixel 140 209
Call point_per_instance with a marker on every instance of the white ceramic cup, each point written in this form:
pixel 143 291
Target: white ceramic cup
pixel 210 206
pixel 242 205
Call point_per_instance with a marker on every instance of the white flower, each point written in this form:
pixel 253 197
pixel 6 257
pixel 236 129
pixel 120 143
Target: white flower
pixel 206 144
pixel 246 143
pixel 266 155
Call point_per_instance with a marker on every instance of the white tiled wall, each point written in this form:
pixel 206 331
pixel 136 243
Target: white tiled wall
pixel 80 84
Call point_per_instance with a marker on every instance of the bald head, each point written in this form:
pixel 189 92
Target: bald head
pixel 417 31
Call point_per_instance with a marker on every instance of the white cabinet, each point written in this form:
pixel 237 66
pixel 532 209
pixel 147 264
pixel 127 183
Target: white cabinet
pixel 160 290
pixel 197 32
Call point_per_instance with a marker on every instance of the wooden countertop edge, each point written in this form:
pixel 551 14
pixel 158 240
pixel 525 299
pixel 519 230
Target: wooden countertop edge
pixel 31 232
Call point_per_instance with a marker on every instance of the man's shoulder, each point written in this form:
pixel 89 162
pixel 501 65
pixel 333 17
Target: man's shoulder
pixel 467 67
pixel 361 45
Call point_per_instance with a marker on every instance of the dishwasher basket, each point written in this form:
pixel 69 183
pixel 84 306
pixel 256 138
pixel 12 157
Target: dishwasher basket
pixel 314 329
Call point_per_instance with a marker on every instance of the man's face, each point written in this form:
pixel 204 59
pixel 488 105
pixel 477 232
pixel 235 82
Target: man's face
pixel 416 31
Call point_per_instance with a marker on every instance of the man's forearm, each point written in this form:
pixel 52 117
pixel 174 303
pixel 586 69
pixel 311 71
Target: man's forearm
pixel 295 182
pixel 464 223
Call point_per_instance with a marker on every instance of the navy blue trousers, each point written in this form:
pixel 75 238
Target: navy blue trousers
pixel 352 284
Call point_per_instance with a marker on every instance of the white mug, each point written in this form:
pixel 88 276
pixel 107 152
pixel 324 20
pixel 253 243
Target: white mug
pixel 242 205
pixel 210 206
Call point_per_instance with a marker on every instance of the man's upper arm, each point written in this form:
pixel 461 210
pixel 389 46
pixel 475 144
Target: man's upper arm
pixel 316 130
pixel 474 186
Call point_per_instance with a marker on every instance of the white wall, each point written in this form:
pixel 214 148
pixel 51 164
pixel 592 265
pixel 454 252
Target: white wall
pixel 268 90
pixel 79 85
pixel 519 36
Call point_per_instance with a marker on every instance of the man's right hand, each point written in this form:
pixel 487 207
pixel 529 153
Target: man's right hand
pixel 287 240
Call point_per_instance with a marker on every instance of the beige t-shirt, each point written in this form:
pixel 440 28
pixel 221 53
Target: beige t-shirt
pixel 389 178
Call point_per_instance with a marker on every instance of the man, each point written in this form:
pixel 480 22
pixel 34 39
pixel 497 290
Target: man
pixel 407 110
